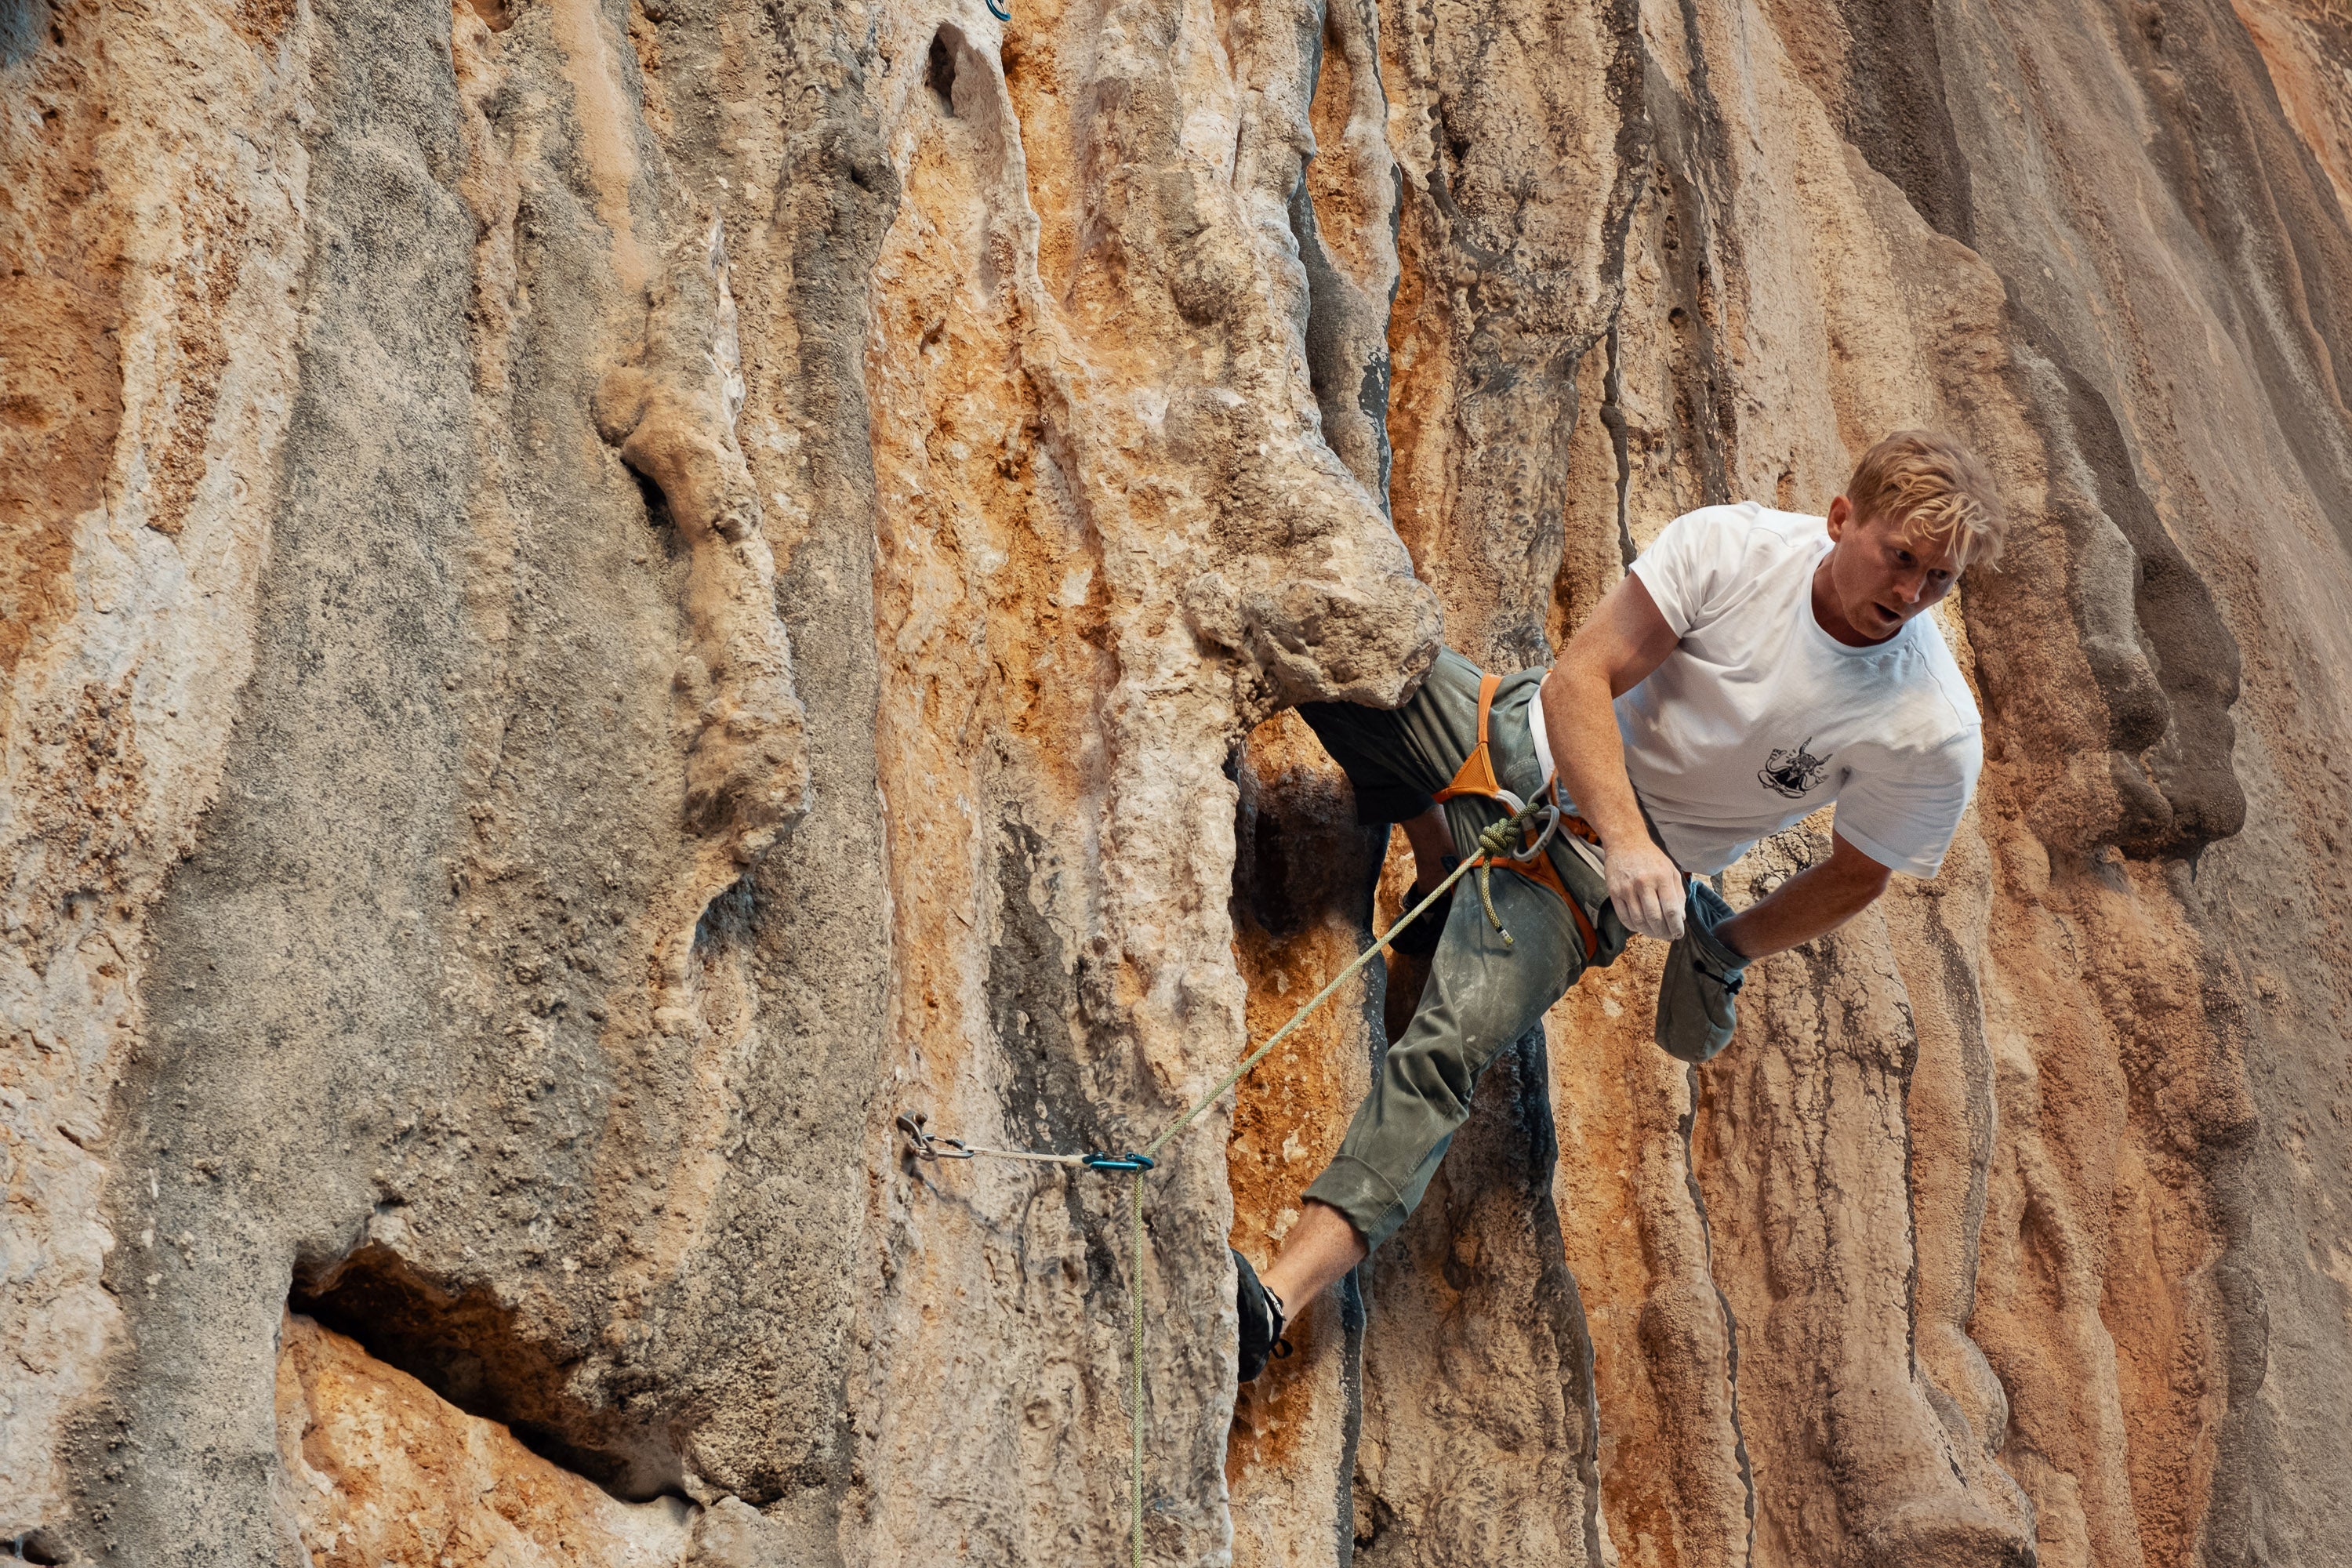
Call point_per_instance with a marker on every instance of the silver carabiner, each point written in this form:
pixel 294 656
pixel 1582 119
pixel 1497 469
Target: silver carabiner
pixel 1551 816
pixel 927 1147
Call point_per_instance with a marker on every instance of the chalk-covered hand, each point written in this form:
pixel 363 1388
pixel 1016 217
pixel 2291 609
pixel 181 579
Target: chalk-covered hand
pixel 1647 889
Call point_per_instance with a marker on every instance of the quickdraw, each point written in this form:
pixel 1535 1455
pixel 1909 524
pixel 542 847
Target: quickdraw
pixel 927 1145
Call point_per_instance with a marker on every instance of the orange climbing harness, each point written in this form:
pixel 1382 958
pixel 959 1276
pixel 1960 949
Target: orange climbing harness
pixel 1476 777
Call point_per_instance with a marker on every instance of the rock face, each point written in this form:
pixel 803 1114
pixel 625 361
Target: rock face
pixel 598 596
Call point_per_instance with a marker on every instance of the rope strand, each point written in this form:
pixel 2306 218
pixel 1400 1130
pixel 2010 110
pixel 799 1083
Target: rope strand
pixel 1137 1312
pixel 1312 1003
pixel 1025 1154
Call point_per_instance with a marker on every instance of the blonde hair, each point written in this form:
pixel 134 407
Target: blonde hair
pixel 1936 489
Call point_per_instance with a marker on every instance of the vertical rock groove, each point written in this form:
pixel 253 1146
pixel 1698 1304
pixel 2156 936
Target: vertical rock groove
pixel 1730 1322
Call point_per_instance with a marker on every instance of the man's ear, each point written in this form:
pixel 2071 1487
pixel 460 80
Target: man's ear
pixel 1841 513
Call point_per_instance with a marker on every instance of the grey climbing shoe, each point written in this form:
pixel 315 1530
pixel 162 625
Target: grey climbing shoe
pixel 1262 1321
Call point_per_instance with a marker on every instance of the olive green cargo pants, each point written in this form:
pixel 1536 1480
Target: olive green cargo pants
pixel 1481 995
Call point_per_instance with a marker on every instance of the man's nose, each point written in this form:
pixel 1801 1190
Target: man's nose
pixel 1910 585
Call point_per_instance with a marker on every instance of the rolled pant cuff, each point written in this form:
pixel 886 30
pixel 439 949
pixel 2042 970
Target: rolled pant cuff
pixel 1361 1192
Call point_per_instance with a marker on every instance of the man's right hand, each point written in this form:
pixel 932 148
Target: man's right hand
pixel 1647 888
pixel 1611 654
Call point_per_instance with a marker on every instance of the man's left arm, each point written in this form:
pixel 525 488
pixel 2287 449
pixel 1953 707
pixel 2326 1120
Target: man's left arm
pixel 1818 899
pixel 1906 814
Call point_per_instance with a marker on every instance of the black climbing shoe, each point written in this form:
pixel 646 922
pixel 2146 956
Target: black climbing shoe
pixel 1419 940
pixel 1262 1321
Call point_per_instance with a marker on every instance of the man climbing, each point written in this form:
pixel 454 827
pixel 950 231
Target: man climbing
pixel 1752 667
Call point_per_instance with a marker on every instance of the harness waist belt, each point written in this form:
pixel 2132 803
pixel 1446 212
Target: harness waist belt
pixel 1476 777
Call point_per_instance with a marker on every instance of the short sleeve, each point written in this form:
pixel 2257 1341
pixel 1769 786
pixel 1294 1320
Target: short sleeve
pixel 1692 560
pixel 1903 817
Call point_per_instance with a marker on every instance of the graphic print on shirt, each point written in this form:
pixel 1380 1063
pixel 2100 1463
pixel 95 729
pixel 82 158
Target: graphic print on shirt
pixel 1793 771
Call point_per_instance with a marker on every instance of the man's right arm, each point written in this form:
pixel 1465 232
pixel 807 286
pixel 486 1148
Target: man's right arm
pixel 1613 652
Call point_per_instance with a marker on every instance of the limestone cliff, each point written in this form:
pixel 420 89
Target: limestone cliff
pixel 598 596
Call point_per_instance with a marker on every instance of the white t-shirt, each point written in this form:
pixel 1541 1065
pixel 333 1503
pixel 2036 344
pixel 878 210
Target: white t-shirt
pixel 1759 718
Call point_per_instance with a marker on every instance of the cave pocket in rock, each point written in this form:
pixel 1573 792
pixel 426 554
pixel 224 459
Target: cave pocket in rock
pixel 484 1355
pixel 939 69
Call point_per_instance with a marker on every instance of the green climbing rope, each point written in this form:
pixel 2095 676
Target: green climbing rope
pixel 1135 1492
pixel 1493 844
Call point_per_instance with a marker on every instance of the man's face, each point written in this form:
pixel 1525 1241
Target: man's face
pixel 1880 575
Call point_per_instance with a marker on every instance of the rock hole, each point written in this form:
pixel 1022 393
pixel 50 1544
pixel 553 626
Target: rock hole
pixel 940 72
pixel 479 1354
pixel 494 13
pixel 657 513
pixel 730 919
pixel 39 1545
pixel 1373 1516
